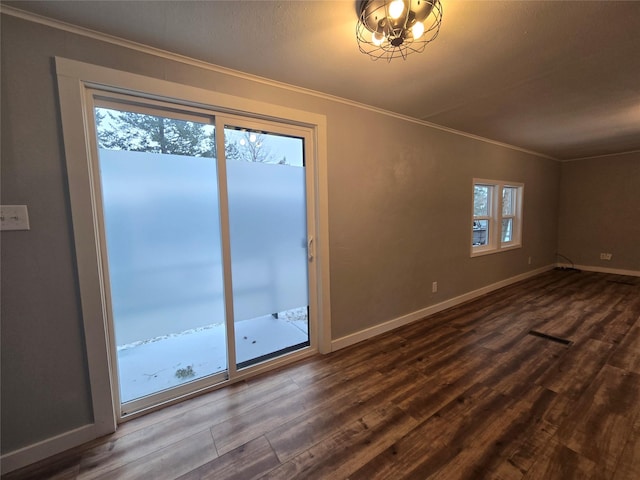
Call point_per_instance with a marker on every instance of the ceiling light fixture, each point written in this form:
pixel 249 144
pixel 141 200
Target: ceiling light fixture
pixel 395 28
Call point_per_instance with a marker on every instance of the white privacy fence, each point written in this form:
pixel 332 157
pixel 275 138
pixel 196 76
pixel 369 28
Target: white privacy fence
pixel 164 243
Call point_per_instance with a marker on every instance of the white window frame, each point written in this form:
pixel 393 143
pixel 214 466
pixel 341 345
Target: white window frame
pixel 495 217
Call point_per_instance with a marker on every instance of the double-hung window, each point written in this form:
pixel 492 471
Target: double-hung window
pixel 497 216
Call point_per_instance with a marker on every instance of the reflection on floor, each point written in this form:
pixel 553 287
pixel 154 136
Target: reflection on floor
pixel 150 366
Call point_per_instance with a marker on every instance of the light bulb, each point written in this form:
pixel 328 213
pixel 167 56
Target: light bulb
pixel 377 38
pixel 417 30
pixel 396 8
pixel 242 141
pixel 252 137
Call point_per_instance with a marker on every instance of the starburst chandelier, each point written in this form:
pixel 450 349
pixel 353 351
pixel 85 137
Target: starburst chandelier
pixel 395 28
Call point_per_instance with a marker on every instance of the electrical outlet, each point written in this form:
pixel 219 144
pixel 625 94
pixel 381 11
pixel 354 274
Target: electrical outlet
pixel 434 287
pixel 606 256
pixel 529 261
pixel 14 217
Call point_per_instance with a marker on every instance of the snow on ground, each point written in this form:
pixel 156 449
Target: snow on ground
pixel 152 365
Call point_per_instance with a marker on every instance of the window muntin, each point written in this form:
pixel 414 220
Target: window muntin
pixel 497 216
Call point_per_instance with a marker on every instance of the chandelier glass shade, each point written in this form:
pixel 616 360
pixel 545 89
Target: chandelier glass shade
pixel 391 29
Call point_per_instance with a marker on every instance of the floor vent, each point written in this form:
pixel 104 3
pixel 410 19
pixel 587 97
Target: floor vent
pixel 551 338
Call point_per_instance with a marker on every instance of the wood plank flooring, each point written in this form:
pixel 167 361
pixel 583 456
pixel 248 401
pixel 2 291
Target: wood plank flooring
pixel 465 394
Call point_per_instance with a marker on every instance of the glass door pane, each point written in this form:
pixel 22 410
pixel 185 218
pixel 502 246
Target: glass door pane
pixel 268 238
pixel 161 214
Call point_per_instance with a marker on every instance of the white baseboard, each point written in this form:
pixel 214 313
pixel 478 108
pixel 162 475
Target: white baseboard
pixel 51 446
pixel 371 332
pixel 615 271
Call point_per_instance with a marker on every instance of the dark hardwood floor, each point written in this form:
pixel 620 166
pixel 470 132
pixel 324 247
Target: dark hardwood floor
pixel 468 393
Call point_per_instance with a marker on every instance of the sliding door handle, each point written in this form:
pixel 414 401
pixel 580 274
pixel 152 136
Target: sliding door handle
pixel 310 248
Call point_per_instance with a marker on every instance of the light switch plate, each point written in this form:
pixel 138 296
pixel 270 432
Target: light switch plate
pixel 14 217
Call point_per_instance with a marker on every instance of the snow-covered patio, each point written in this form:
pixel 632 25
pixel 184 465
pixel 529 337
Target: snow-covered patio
pixel 149 366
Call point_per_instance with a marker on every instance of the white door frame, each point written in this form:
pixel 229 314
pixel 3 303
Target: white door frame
pixel 77 82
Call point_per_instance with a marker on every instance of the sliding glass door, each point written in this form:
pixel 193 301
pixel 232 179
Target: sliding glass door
pixel 206 255
pixel 265 175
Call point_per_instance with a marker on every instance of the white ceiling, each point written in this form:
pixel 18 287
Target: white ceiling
pixel 561 78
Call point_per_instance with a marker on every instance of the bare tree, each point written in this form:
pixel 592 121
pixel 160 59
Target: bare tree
pixel 253 149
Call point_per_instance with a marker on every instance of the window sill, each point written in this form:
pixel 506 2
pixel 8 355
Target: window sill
pixel 481 253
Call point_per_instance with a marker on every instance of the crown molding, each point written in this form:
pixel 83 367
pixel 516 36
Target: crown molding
pixel 618 154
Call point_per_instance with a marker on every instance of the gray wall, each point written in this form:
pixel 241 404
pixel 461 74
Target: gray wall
pixel 399 218
pixel 600 211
